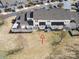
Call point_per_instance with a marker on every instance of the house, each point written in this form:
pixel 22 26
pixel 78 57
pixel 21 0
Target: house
pixel 41 19
pixel 66 5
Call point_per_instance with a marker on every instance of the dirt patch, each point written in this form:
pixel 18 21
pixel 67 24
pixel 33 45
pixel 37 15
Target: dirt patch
pixel 32 43
pixel 36 48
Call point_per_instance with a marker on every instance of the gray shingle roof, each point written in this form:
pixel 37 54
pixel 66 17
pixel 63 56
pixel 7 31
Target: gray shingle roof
pixel 52 14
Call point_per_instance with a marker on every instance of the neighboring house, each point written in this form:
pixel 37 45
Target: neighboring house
pixel 66 5
pixel 41 18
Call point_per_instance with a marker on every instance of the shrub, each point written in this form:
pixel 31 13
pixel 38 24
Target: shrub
pixel 58 37
pixel 20 7
pixel 8 10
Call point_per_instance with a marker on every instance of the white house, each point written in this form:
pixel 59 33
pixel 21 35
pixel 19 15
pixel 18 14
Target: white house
pixel 42 19
pixel 66 4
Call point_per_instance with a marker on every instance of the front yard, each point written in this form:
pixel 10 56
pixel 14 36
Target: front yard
pixel 37 45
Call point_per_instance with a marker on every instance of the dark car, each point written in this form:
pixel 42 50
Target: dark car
pixel 77 6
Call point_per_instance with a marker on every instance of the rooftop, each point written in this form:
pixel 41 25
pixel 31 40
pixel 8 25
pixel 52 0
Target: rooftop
pixel 53 14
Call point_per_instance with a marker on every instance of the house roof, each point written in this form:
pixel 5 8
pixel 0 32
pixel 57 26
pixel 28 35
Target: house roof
pixel 53 14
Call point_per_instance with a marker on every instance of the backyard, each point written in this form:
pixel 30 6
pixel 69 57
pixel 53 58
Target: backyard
pixel 37 45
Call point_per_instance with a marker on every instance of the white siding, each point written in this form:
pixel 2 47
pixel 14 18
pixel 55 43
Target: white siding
pixel 48 22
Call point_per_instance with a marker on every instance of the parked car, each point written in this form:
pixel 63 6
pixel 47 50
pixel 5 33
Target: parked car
pixel 77 6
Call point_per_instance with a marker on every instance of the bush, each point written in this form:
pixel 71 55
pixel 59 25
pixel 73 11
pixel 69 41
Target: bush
pixel 58 37
pixel 56 40
pixel 27 5
pixel 20 7
pixel 8 10
pixel 30 3
pixel 13 10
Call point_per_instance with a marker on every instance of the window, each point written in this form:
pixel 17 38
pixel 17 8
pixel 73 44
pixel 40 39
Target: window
pixel 57 23
pixel 30 22
pixel 25 16
pixel 31 14
pixel 18 18
pixel 42 23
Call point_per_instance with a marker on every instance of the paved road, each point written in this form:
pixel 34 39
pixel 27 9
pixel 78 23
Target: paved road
pixel 8 15
pixel 74 15
pixel 17 10
pixel 4 16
